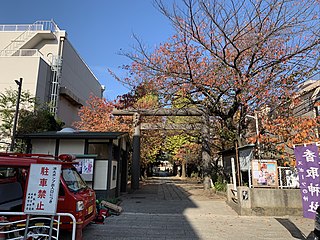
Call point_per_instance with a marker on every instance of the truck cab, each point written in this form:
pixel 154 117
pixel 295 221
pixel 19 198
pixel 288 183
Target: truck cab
pixel 75 196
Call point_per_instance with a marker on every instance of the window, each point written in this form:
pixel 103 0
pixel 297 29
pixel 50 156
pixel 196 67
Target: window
pixel 114 172
pixel 7 172
pixel 101 149
pixel 73 179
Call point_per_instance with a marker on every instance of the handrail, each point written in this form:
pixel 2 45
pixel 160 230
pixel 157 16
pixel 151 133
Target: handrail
pixel 22 52
pixel 36 26
pixel 5 223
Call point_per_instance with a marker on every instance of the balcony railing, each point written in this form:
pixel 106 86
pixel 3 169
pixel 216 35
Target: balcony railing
pixel 22 52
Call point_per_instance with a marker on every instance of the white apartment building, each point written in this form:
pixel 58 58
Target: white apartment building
pixel 51 68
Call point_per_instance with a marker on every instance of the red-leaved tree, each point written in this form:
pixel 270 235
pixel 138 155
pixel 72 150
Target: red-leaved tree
pixel 231 58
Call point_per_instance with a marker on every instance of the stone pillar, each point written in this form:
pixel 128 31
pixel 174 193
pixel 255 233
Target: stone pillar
pixel 244 200
pixel 135 173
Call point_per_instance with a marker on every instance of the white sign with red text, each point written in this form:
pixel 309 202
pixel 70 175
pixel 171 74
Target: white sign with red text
pixel 43 189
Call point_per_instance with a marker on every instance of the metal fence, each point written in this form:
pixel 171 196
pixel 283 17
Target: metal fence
pixel 36 26
pixel 33 227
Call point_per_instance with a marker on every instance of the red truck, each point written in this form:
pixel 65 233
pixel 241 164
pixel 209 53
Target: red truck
pixel 75 196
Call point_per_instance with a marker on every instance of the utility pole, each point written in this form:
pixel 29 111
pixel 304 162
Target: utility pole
pixel 16 113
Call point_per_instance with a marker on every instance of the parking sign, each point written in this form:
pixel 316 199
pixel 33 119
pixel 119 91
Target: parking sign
pixel 43 189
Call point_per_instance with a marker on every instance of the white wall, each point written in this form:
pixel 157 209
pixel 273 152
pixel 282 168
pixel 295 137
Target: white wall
pixel 12 68
pixel 71 146
pixel 45 146
pixel 7 37
pixel 101 175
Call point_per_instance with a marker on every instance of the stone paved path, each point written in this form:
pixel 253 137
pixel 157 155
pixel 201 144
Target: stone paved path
pixel 168 208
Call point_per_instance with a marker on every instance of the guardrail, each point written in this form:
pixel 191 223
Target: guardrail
pixel 37 26
pixel 29 227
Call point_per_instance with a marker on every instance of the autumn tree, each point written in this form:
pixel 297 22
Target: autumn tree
pixel 286 126
pixel 183 149
pixel 231 57
pixel 182 143
pixel 281 134
pixel 142 97
pixel 151 140
pixel 97 116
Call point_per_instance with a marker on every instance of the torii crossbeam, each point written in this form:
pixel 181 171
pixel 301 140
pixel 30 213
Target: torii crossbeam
pixel 137 129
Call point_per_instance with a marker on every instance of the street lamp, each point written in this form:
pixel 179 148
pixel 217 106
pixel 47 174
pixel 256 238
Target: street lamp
pixel 19 83
pixel 255 117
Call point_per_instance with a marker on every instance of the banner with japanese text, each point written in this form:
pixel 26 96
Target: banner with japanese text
pixel 307 163
pixel 43 189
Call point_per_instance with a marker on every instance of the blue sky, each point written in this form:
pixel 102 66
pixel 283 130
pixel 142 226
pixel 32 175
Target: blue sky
pixel 97 29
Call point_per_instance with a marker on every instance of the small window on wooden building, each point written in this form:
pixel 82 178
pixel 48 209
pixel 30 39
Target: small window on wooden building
pixel 114 172
pixel 101 149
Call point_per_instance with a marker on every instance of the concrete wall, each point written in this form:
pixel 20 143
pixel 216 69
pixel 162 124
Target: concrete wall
pixel 12 68
pixel 43 82
pixel 265 201
pixel 7 36
pixel 76 75
pixel 67 112
pixel 78 81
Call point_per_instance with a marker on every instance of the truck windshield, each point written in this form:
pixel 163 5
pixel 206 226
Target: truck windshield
pixel 73 179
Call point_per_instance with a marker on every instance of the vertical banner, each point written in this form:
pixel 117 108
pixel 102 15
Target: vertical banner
pixel 307 163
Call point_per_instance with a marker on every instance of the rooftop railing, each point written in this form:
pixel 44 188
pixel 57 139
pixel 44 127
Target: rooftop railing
pixel 37 26
pixel 28 31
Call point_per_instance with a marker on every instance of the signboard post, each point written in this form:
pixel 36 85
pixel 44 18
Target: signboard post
pixel 43 189
pixel 307 163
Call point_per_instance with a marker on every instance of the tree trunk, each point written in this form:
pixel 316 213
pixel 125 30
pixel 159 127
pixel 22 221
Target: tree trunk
pixel 183 170
pixel 206 152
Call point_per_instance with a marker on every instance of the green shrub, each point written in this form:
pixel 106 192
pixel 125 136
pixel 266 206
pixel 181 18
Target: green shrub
pixel 220 185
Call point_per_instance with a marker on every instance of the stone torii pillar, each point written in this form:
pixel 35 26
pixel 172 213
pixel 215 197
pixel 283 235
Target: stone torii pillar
pixel 136 152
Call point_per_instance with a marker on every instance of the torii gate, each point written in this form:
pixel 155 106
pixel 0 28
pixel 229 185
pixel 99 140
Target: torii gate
pixel 158 112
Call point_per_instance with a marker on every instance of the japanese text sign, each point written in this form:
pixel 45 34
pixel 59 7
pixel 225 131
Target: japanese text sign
pixel 307 163
pixel 43 189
